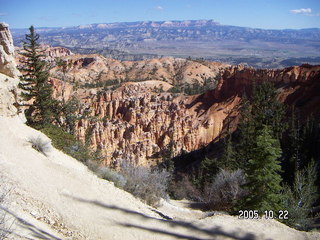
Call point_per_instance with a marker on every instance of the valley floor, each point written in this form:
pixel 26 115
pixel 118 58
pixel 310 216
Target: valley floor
pixel 57 197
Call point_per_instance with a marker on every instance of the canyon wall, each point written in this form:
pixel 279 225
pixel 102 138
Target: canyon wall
pixel 137 124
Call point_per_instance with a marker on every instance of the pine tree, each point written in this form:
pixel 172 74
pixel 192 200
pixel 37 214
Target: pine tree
pixel 228 159
pixel 260 128
pixel 301 144
pixel 267 109
pixel 168 154
pixel 207 171
pixel 291 150
pixel 36 91
pixel 299 198
pixel 247 133
pixel 262 173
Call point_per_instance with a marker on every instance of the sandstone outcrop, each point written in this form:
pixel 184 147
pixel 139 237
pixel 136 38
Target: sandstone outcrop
pixel 8 73
pixel 298 86
pixel 52 53
pixel 95 68
pixel 137 124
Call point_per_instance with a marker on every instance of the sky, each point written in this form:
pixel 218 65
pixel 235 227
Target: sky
pixel 267 14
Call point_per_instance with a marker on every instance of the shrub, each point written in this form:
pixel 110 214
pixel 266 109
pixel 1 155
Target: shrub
pixel 41 145
pixel 224 190
pixel 66 142
pixel 183 188
pixel 142 182
pixel 111 175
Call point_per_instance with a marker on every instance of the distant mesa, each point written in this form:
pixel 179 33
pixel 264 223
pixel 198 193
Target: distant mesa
pixel 208 39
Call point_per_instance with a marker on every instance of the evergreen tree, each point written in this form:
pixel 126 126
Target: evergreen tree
pixel 260 128
pixel 301 144
pixel 262 173
pixel 291 150
pixel 310 142
pixel 168 154
pixel 228 159
pixel 267 109
pixel 299 198
pixel 36 91
pixel 247 134
pixel 207 171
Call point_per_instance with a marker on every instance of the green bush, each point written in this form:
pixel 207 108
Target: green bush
pixel 66 142
pixel 112 176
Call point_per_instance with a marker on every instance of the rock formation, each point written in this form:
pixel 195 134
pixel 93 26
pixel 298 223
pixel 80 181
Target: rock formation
pixel 8 73
pixel 137 124
pixel 95 68
pixel 52 53
pixel 136 121
pixel 297 86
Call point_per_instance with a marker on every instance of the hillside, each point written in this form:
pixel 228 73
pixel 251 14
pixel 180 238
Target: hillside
pixel 56 197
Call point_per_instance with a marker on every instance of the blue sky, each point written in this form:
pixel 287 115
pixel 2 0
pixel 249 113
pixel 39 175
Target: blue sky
pixel 270 14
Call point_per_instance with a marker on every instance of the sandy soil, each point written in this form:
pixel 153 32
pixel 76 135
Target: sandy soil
pixel 56 197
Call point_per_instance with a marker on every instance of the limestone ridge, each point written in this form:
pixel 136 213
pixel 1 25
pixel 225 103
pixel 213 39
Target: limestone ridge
pixel 8 73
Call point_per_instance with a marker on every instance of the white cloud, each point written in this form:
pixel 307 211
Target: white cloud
pixel 301 11
pixel 3 14
pixel 159 8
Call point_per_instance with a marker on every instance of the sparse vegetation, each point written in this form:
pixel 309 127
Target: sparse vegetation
pixel 112 176
pixel 225 190
pixel 196 87
pixel 40 144
pixel 183 188
pixel 251 178
pixel 66 142
pixel 144 183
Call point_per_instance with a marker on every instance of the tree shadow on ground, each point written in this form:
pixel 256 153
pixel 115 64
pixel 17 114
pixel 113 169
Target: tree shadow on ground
pixel 210 234
pixel 34 231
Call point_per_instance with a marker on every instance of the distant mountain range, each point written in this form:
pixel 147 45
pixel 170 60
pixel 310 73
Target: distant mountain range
pixel 195 38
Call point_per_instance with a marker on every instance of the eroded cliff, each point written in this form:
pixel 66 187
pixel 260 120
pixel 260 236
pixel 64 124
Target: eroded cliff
pixel 8 73
pixel 135 123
